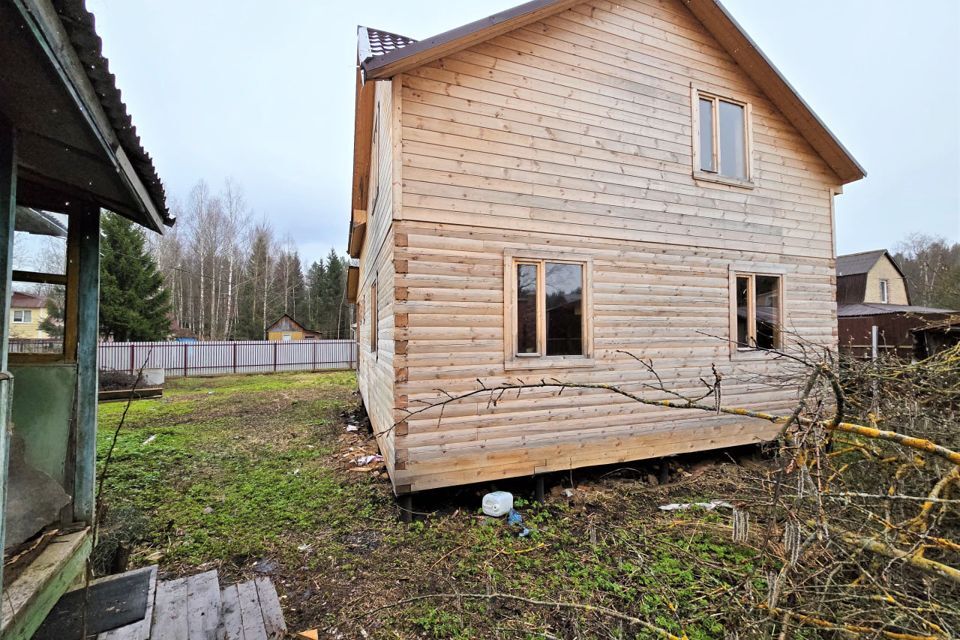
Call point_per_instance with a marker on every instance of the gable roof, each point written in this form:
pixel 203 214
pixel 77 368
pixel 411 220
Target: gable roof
pixel 853 264
pixel 292 320
pixel 407 54
pixel 21 300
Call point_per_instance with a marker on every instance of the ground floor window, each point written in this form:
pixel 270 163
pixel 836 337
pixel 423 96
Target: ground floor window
pixel 758 307
pixel 548 308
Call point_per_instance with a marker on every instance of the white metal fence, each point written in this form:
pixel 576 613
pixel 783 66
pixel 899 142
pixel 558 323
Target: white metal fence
pixel 214 358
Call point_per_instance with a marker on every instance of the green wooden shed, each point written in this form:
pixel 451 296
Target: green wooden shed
pixel 68 151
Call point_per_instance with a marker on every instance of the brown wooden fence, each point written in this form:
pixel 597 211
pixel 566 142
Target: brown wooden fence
pixel 217 358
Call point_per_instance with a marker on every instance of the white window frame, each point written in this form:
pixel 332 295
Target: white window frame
pixel 26 316
pixel 718 95
pixel 514 360
pixel 746 352
pixel 884 291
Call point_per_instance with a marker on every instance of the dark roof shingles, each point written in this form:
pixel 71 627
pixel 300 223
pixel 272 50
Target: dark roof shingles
pixel 383 42
pixel 856 263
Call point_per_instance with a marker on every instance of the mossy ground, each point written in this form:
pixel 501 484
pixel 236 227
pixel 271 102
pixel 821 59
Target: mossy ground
pixel 228 471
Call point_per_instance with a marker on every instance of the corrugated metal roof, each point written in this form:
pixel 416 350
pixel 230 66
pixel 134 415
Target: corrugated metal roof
pixel 81 29
pixel 853 310
pixel 856 263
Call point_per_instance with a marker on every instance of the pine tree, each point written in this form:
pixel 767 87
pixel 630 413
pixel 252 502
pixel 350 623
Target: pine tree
pixel 315 280
pixel 134 305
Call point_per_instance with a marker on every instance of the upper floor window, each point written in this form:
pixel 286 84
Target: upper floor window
pixel 723 150
pixel 884 291
pixel 22 316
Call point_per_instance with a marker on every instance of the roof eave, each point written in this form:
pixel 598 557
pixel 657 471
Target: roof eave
pixel 57 43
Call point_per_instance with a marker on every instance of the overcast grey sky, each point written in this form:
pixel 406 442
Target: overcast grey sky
pixel 262 91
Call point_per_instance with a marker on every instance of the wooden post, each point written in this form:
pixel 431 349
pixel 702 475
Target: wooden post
pixel 184 359
pixel 538 487
pixel 88 329
pixel 8 211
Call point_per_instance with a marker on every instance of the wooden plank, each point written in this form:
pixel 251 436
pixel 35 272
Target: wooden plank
pixel 170 611
pixel 231 621
pixel 8 212
pixel 203 606
pixel 88 328
pixel 273 620
pixel 252 616
pixel 31 597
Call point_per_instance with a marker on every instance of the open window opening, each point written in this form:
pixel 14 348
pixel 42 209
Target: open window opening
pixel 758 311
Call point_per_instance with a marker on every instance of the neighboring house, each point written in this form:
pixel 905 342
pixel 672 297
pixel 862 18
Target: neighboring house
pixel 542 193
pixel 67 146
pixel 285 329
pixel 871 277
pixel 874 314
pixel 27 312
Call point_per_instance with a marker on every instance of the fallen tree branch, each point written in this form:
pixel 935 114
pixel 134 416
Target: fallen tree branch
pixel 662 633
pixel 820 623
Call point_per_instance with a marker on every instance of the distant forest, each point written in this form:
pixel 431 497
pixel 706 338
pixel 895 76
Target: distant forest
pixel 230 276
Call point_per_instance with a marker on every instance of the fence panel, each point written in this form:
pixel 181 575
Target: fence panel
pixel 214 358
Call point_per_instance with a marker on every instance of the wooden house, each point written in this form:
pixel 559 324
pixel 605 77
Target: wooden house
pixel 285 329
pixel 874 314
pixel 67 148
pixel 27 313
pixel 544 192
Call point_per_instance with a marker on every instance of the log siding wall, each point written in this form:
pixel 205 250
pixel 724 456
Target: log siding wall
pixel 575 135
pixel 375 370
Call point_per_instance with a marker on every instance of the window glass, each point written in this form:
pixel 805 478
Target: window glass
pixel 743 311
pixel 768 311
pixel 374 317
pixel 40 241
pixel 527 308
pixel 733 157
pixel 884 294
pixel 37 318
pixel 706 135
pixel 564 301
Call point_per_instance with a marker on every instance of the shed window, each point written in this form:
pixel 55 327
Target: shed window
pixel 884 291
pixel 549 308
pixel 22 316
pixel 723 147
pixel 758 304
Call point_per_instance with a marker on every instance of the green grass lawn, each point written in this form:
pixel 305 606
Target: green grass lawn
pixel 224 472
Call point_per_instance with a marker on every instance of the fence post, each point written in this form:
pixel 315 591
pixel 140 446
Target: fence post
pixel 314 356
pixel 276 347
pixel 234 357
pixel 131 358
pixel 185 359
